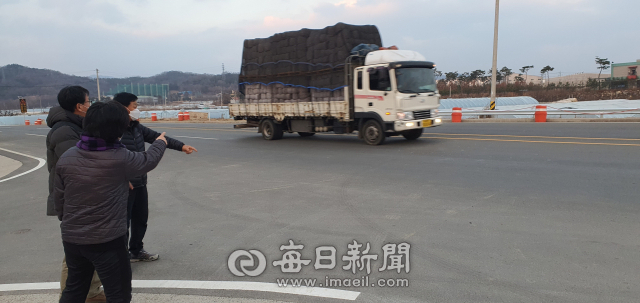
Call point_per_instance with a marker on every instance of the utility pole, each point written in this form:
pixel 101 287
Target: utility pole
pixel 98 80
pixel 494 68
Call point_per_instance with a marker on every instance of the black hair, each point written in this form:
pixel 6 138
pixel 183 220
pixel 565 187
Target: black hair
pixel 106 121
pixel 69 96
pixel 125 98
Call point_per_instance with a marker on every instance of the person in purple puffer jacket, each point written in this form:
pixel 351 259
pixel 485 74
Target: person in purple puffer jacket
pixel 91 188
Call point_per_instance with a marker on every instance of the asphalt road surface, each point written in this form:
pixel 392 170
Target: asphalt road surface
pixel 492 212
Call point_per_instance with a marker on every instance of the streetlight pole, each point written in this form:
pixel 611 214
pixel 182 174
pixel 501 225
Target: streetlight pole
pixel 494 68
pixel 98 81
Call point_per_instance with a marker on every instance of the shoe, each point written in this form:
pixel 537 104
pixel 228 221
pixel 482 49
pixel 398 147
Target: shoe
pixel 99 298
pixel 144 256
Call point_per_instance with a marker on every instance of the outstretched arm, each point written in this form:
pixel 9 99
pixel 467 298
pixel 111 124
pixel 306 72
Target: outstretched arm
pixel 138 164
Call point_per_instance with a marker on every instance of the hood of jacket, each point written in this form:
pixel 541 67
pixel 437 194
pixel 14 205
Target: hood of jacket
pixel 57 114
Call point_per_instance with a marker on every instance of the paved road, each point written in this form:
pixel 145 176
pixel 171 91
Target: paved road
pixel 493 212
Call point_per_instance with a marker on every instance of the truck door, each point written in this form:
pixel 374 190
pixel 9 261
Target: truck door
pixel 374 91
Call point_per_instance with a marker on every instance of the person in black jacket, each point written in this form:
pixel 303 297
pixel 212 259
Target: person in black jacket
pixel 65 122
pixel 134 138
pixel 90 196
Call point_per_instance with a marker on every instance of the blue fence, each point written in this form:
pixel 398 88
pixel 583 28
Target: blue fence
pixel 169 114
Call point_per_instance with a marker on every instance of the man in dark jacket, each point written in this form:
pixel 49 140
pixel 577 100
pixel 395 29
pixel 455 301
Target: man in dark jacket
pixel 90 196
pixel 134 138
pixel 65 122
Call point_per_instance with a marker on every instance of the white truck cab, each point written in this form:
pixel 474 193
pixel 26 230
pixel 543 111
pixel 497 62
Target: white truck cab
pixel 398 86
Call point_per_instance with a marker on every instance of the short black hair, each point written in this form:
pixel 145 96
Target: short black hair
pixel 125 98
pixel 106 120
pixel 69 96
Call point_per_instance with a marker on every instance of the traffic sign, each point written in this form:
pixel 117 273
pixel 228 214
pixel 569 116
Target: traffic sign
pixel 23 105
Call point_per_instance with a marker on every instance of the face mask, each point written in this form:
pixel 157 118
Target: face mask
pixel 135 114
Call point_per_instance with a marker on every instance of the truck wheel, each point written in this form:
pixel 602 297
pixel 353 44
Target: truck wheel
pixel 372 133
pixel 305 134
pixel 412 134
pixel 271 130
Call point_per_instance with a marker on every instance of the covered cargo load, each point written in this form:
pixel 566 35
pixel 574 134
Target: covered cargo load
pixel 305 65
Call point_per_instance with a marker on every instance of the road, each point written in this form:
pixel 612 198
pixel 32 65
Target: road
pixel 493 212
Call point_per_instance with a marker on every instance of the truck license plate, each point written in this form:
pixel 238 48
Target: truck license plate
pixel 426 123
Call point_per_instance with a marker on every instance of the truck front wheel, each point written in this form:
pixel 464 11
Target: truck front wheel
pixel 412 134
pixel 271 130
pixel 372 133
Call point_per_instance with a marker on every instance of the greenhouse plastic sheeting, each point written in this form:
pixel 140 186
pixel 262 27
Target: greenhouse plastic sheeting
pixel 482 102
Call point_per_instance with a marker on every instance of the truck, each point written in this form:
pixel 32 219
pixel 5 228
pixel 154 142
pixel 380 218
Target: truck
pixel 314 81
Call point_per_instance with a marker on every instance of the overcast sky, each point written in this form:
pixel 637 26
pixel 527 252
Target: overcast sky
pixel 143 37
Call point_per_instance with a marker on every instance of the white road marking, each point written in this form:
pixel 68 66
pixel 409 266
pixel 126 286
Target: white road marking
pixel 195 137
pixel 40 164
pixel 36 135
pixel 210 285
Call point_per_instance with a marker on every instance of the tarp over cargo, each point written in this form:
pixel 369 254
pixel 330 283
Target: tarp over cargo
pixel 304 65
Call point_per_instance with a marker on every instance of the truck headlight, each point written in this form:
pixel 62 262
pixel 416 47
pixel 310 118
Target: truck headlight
pixel 405 116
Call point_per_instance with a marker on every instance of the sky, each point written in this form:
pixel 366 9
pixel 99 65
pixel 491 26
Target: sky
pixel 125 38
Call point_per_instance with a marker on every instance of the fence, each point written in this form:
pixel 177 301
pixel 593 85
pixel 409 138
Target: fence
pixel 552 113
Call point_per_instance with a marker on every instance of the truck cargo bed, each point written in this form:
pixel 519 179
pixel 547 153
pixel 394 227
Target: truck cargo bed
pixel 279 111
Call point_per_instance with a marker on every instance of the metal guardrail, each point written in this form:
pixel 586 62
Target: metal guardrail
pixel 550 111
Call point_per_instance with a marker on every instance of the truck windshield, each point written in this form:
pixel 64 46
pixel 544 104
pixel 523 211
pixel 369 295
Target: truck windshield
pixel 415 80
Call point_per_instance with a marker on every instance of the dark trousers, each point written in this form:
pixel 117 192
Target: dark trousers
pixel 137 217
pixel 110 260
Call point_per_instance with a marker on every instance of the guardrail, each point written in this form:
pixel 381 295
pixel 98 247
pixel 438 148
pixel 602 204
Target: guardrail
pixel 551 111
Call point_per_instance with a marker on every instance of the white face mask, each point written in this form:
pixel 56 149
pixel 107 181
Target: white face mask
pixel 135 114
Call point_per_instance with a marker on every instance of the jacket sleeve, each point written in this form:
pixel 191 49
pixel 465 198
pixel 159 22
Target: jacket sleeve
pixel 58 194
pixel 65 138
pixel 140 163
pixel 150 136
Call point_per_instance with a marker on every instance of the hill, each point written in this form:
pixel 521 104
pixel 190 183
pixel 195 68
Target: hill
pixel 44 84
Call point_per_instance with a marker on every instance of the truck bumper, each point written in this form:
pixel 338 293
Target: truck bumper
pixel 415 124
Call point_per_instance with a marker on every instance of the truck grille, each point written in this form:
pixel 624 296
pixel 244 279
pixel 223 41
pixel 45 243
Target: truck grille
pixel 422 114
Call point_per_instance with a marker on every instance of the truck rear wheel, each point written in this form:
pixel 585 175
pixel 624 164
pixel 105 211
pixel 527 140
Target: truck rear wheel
pixel 305 134
pixel 372 133
pixel 412 134
pixel 271 130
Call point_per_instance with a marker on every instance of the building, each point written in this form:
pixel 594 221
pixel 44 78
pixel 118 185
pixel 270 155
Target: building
pixel 625 70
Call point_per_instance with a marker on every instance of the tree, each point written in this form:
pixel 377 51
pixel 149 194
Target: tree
pixel 603 64
pixel 437 73
pixel 451 76
pixel 519 78
pixel 464 77
pixel 477 74
pixel 546 70
pixel 524 70
pixel 506 72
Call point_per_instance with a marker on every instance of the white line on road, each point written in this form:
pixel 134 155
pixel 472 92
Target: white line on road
pixel 195 137
pixel 36 135
pixel 40 164
pixel 210 285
